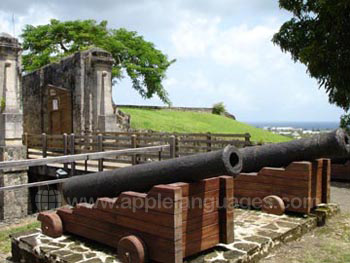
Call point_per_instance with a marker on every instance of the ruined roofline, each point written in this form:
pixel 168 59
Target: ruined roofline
pixel 9 42
pixel 92 50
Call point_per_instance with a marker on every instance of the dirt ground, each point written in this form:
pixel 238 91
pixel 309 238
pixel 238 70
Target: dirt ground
pixel 328 244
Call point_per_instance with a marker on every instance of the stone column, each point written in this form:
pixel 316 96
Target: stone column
pixel 104 119
pixel 13 204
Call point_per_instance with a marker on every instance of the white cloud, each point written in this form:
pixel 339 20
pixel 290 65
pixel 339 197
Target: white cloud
pixel 5 23
pixel 194 36
pixel 35 15
pixel 243 46
pixel 240 45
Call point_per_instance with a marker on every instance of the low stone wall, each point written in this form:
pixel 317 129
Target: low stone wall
pixel 193 109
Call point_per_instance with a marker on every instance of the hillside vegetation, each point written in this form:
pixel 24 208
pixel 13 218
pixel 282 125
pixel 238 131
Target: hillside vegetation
pixel 195 122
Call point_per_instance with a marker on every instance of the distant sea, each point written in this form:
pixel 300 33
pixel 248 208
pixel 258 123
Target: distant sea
pixel 303 125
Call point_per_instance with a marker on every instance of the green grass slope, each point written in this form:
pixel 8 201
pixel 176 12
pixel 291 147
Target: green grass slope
pixel 195 122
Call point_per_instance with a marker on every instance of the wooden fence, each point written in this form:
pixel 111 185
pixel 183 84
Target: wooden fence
pixel 181 144
pixel 187 143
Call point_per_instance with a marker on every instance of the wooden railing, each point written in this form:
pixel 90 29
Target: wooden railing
pixel 182 143
pixel 69 159
pixel 188 143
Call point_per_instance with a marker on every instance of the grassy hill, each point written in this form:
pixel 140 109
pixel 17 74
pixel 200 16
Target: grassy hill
pixel 186 121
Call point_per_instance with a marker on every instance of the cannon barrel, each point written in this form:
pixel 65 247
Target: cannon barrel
pixel 334 144
pixel 142 177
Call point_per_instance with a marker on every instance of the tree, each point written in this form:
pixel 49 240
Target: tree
pixel 318 35
pixel 143 63
pixel 219 108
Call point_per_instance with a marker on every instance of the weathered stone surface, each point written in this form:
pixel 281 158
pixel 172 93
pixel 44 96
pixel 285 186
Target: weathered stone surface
pixel 13 204
pixel 33 247
pixel 10 75
pixel 86 77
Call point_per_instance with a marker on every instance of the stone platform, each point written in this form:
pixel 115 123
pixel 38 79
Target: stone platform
pixel 256 234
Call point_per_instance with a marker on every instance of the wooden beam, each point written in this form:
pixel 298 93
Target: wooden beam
pixel 79 157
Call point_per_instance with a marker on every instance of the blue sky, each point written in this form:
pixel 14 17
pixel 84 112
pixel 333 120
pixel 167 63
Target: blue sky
pixel 223 49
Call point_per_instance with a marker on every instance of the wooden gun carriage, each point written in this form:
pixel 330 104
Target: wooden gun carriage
pixel 168 223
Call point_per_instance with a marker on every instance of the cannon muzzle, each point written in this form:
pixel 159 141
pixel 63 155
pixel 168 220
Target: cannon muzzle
pixel 335 144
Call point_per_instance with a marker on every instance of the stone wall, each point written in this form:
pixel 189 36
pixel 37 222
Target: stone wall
pixel 87 76
pixel 64 74
pixel 10 82
pixel 193 109
pixel 13 204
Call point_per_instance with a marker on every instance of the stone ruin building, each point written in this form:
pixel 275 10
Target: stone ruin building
pixel 73 95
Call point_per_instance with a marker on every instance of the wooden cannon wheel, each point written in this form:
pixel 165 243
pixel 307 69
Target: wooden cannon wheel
pixel 51 224
pixel 131 249
pixel 273 204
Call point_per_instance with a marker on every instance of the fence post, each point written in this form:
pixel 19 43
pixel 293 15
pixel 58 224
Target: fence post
pixel 133 145
pixel 44 144
pixel 209 142
pixel 160 155
pixel 65 148
pixel 177 148
pixel 25 142
pixel 72 150
pixel 172 142
pixel 247 140
pixel 100 149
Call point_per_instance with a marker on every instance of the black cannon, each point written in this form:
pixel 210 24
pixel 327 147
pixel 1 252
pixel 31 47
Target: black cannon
pixel 334 144
pixel 229 161
pixel 141 178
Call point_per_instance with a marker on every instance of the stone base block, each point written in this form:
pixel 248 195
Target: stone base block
pixel 107 123
pixel 13 203
pixel 11 128
pixel 11 153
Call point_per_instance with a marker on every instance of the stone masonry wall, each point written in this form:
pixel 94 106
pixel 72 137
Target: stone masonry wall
pixel 193 109
pixel 65 74
pixel 13 203
pixel 87 76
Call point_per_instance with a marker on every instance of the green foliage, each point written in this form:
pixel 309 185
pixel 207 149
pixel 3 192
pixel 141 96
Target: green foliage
pixel 144 64
pixel 195 122
pixel 2 104
pixel 5 242
pixel 345 122
pixel 219 108
pixel 318 36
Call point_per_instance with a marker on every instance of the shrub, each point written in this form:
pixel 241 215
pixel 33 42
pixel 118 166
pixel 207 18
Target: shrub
pixel 2 105
pixel 219 108
pixel 345 122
